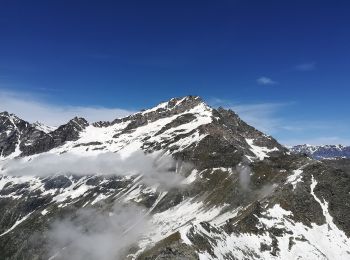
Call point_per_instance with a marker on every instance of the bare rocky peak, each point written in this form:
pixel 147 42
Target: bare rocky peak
pixel 19 137
pixel 164 109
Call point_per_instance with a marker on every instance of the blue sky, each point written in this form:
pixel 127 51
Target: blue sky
pixel 282 65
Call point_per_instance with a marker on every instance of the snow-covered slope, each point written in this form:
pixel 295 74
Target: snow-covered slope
pixel 206 186
pixel 42 127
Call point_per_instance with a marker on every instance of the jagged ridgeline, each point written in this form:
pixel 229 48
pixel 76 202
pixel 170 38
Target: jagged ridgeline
pixel 323 151
pixel 179 181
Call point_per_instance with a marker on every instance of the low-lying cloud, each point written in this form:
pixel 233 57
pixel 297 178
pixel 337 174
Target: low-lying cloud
pixel 92 234
pixel 155 169
pixel 100 233
pixel 244 175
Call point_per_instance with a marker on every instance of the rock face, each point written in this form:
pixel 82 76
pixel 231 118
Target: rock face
pixel 241 194
pixel 18 137
pixel 323 151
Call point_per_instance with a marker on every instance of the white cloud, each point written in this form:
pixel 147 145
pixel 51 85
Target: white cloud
pixel 97 234
pixel 306 66
pixel 272 119
pixel 154 169
pixel 262 116
pixel 32 109
pixel 266 81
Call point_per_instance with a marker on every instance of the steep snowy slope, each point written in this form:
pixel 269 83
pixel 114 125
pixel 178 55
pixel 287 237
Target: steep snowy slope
pixel 205 186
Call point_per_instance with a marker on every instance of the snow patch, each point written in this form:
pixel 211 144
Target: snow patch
pixel 260 152
pixel 295 177
pixel 18 222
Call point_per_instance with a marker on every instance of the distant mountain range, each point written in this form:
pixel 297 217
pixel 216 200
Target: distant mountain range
pixel 323 151
pixel 181 180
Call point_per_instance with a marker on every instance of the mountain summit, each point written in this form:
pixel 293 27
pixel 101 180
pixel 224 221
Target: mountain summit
pixel 176 125
pixel 181 180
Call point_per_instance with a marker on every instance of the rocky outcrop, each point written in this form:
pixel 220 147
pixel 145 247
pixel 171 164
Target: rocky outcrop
pixel 17 135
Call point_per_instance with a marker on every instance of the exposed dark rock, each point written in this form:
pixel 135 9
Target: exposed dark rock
pixel 57 182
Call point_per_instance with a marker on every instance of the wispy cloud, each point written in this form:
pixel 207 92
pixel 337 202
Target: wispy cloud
pixel 272 119
pixel 31 108
pixel 308 66
pixel 266 81
pixel 263 116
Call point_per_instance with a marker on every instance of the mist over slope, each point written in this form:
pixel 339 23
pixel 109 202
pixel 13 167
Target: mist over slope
pixel 178 181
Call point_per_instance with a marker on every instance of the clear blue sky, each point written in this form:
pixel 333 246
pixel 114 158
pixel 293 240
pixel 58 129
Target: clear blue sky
pixel 286 63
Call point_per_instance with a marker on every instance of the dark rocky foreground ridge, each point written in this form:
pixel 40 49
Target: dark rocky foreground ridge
pixel 242 195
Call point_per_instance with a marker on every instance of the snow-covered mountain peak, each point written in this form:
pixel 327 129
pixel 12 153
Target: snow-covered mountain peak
pixel 323 151
pixel 174 106
pixel 240 194
pixel 182 103
pixel 12 118
pixel 42 127
pixel 175 126
pixel 155 128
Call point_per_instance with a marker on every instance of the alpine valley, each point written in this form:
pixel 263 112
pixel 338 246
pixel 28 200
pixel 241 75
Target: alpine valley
pixel 181 180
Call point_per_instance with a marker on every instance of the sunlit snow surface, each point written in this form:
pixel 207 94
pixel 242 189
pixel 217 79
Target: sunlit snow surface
pixel 295 178
pixel 325 241
pixel 260 152
pixel 112 139
pixel 44 128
